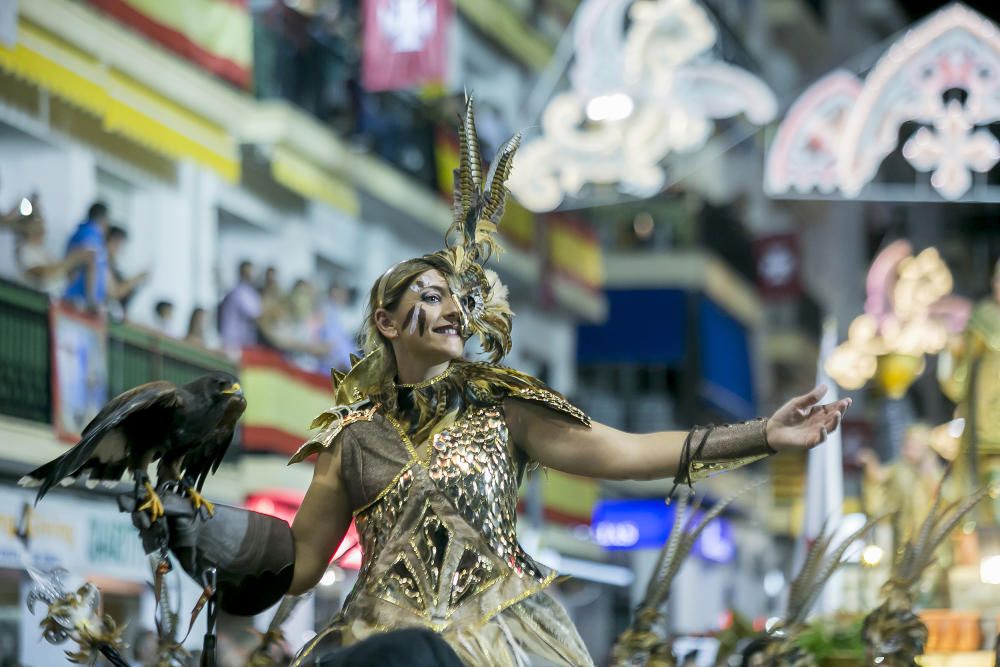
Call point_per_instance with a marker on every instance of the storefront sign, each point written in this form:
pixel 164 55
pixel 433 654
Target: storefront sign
pixel 82 535
pixel 625 525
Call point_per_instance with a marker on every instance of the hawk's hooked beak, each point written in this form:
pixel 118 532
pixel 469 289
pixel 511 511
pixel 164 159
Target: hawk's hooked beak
pixel 235 389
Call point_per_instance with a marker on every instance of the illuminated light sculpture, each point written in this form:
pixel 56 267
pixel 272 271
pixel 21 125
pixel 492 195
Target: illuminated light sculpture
pixel 839 132
pixel 637 95
pixel 803 155
pixel 909 312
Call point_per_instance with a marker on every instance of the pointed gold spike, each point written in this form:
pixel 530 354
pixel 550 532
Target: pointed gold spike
pixel 354 360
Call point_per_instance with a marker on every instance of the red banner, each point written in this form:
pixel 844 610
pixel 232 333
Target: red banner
pixel 405 43
pixel 777 259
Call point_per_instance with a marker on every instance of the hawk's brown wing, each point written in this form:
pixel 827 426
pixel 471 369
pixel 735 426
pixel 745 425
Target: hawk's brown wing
pixel 95 448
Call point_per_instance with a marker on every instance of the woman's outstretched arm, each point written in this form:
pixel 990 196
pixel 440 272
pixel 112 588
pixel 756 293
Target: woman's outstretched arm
pixel 320 524
pixel 556 441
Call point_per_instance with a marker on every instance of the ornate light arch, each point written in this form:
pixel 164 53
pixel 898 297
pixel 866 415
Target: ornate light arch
pixel 667 88
pixel 956 48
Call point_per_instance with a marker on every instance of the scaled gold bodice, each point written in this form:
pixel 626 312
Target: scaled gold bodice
pixel 437 523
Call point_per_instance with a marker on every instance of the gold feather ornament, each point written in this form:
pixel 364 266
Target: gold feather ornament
pixel 780 645
pixel 646 641
pixel 75 616
pixel 478 207
pixel 892 633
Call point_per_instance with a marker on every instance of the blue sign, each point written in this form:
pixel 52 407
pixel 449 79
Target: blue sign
pixel 627 524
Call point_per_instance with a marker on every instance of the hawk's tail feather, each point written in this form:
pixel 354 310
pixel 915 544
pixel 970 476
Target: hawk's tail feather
pixel 43 478
pixel 50 474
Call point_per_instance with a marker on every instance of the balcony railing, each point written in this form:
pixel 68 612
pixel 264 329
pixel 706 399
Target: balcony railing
pixel 135 356
pixel 25 360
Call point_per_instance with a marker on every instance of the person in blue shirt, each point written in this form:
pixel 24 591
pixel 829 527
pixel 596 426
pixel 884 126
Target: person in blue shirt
pixel 88 286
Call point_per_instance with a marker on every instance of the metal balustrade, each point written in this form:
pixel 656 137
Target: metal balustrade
pixel 25 360
pixel 135 355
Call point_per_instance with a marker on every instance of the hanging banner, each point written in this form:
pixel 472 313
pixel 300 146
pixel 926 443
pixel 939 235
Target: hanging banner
pixel 575 251
pixel 215 34
pixel 79 369
pixel 405 43
pixel 777 260
pixel 85 536
pixel 272 384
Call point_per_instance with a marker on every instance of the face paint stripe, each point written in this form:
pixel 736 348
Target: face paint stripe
pixel 408 321
pixel 422 321
pixel 416 315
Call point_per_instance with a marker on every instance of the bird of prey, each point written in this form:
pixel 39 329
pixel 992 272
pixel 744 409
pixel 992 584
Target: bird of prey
pixel 186 428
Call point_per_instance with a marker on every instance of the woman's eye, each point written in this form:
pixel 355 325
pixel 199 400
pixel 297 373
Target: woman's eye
pixel 431 298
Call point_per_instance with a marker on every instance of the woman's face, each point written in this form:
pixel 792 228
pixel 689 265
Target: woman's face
pixel 426 323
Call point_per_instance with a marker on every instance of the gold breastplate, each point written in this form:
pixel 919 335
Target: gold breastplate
pixel 443 532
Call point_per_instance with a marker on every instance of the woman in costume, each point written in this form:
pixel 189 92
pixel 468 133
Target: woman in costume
pixel 425 451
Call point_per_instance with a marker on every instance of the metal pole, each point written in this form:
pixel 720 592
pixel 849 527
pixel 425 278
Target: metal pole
pixel 208 647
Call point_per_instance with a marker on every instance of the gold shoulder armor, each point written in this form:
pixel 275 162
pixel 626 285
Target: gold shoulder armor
pixel 496 380
pixel 554 401
pixel 331 423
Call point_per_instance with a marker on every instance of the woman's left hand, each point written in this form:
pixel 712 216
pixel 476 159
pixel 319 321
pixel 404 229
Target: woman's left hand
pixel 802 423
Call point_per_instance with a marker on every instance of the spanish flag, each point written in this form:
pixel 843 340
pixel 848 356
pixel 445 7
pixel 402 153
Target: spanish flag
pixel 215 34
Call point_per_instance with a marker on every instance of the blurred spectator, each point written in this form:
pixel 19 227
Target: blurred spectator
pixel 10 217
pixel 8 242
pixel 163 318
pixel 88 286
pixel 146 648
pixel 270 290
pixel 197 331
pixel 239 311
pixel 121 289
pixel 332 333
pixel 292 326
pixel 39 269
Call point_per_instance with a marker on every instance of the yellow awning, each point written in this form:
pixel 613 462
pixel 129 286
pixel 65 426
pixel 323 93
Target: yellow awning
pixel 312 181
pixel 125 106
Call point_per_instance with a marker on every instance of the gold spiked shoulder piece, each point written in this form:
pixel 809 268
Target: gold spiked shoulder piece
pixel 351 392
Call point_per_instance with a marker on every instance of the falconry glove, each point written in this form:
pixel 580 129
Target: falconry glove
pixel 253 553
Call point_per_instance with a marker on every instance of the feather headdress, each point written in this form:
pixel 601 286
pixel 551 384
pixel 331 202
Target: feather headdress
pixel 477 209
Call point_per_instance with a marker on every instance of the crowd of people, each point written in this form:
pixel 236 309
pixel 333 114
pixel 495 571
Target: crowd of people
pixel 303 325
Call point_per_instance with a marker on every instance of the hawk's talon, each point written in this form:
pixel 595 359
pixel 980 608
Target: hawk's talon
pixel 153 504
pixel 200 501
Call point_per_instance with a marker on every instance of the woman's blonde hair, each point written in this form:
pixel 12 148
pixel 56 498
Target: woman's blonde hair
pixel 387 293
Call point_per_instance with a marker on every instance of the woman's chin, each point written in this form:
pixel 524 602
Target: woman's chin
pixel 442 355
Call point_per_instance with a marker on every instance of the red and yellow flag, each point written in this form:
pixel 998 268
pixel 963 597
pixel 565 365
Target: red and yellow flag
pixel 215 34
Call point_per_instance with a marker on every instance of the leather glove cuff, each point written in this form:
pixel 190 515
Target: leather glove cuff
pixel 253 553
pixel 709 450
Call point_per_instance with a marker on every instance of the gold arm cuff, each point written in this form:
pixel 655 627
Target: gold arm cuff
pixel 727 448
